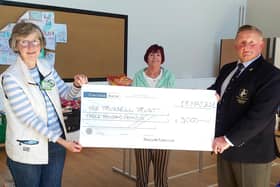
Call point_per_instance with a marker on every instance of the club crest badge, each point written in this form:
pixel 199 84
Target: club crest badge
pixel 242 97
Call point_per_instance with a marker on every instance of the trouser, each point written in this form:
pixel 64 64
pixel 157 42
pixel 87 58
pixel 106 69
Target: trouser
pixel 44 175
pixel 159 158
pixel 238 174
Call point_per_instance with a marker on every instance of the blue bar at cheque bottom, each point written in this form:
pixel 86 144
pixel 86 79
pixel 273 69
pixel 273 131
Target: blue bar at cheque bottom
pixel 95 94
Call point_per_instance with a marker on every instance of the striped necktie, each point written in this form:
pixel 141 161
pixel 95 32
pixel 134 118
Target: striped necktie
pixel 236 74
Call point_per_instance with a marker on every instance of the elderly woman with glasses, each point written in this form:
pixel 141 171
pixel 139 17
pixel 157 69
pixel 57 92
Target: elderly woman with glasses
pixel 31 90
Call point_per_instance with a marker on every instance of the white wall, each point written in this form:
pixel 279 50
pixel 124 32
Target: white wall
pixel 264 14
pixel 189 30
pixel 277 53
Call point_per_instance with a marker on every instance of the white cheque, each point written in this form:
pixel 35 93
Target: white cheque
pixel 155 118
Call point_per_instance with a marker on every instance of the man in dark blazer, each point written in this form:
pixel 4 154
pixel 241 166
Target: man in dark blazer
pixel 249 93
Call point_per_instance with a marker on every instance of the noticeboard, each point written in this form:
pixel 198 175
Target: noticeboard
pixel 96 41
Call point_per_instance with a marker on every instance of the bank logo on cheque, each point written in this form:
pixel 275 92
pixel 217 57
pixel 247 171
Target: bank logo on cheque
pixel 95 94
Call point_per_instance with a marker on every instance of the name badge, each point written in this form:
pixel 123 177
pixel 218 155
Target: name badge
pixel 47 84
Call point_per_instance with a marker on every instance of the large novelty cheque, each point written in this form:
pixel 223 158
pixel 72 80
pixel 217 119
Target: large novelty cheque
pixel 156 118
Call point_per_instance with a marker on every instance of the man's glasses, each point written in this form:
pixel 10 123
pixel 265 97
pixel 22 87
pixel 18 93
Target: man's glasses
pixel 26 43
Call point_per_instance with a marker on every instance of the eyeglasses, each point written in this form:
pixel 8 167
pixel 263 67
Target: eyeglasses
pixel 26 43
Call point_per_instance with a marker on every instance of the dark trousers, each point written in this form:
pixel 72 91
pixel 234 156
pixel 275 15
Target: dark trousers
pixel 238 174
pixel 45 175
pixel 159 158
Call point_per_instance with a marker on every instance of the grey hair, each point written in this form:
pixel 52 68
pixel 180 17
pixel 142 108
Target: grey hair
pixel 23 29
pixel 249 28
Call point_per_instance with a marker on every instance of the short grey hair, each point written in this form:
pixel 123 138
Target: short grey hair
pixel 249 28
pixel 23 29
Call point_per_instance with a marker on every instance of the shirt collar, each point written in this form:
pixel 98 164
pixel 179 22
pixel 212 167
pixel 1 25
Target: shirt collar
pixel 246 64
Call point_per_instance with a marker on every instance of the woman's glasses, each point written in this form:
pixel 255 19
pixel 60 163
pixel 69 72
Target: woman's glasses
pixel 27 43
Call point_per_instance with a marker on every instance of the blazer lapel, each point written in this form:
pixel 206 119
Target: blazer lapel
pixel 251 68
pixel 223 75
